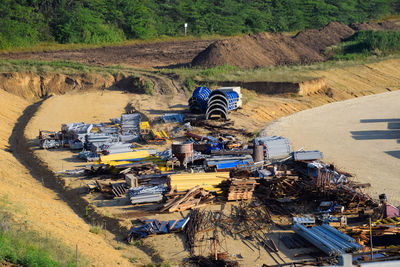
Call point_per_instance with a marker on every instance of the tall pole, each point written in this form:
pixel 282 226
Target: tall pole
pixel 370 238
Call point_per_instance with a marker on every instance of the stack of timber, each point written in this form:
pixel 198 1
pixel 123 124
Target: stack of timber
pixel 208 181
pixel 140 169
pixel 362 233
pixel 194 198
pixel 239 189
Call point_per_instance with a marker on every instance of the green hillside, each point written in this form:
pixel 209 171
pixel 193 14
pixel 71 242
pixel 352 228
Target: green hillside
pixel 24 23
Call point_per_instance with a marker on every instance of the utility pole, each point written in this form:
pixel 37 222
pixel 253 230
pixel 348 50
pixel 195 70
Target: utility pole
pixel 186 25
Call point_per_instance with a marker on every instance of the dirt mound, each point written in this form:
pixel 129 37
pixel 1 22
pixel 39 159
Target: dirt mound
pixel 387 25
pixel 266 49
pixel 256 50
pixel 331 34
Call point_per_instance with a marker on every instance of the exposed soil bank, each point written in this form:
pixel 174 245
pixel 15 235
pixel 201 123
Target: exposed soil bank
pixel 270 88
pixel 31 85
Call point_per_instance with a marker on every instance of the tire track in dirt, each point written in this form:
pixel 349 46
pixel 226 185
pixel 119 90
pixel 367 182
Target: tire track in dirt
pixel 22 151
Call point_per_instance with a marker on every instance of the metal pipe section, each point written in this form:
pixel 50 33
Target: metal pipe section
pixel 314 239
pixel 198 101
pixel 328 239
pixel 215 104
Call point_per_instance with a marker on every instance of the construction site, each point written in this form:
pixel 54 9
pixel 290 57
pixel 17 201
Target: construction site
pixel 229 173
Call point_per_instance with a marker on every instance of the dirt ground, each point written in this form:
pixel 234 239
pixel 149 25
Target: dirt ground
pixel 41 208
pixel 157 54
pixel 100 106
pixel 360 136
pixel 46 211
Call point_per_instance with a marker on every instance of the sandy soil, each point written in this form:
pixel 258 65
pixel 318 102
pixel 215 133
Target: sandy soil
pixel 360 136
pixel 343 83
pixel 41 208
pixel 258 109
pixel 25 191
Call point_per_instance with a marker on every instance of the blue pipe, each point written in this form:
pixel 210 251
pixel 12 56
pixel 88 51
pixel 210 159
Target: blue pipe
pixel 199 99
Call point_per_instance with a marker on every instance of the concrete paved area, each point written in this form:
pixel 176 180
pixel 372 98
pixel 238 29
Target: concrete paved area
pixel 360 136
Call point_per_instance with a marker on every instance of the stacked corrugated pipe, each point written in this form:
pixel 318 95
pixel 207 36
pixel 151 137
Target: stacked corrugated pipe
pixel 215 104
pixel 221 101
pixel 199 99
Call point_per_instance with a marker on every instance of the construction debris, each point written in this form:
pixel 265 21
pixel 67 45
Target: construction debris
pixel 239 189
pixel 146 194
pixel 152 226
pixel 328 239
pixel 212 162
pixel 194 198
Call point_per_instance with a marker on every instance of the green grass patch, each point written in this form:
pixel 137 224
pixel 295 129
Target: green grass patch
pixel 63 67
pixel 54 46
pixel 148 87
pixel 21 246
pixel 96 229
pixel 365 44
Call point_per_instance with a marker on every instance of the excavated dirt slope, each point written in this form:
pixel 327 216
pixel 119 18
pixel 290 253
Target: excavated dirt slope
pixel 331 34
pixel 272 49
pixel 256 50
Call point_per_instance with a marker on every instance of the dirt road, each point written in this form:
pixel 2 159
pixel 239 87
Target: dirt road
pixel 360 136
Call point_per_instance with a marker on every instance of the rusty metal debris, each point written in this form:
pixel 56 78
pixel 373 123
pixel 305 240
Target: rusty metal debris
pixel 235 186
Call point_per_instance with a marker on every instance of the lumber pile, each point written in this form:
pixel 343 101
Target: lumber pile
pixel 193 198
pixel 386 234
pixel 141 169
pixel 209 181
pixel 240 189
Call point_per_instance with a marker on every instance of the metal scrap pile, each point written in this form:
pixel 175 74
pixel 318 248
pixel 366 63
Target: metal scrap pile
pixel 153 226
pixel 110 138
pixel 48 139
pixel 214 162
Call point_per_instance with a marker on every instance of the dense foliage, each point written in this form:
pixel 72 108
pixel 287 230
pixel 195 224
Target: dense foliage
pixel 369 41
pixel 366 43
pixel 26 22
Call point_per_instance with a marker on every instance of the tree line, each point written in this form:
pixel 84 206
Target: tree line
pixel 27 22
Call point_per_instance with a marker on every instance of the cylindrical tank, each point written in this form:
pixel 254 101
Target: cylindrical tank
pixel 258 153
pixel 182 151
